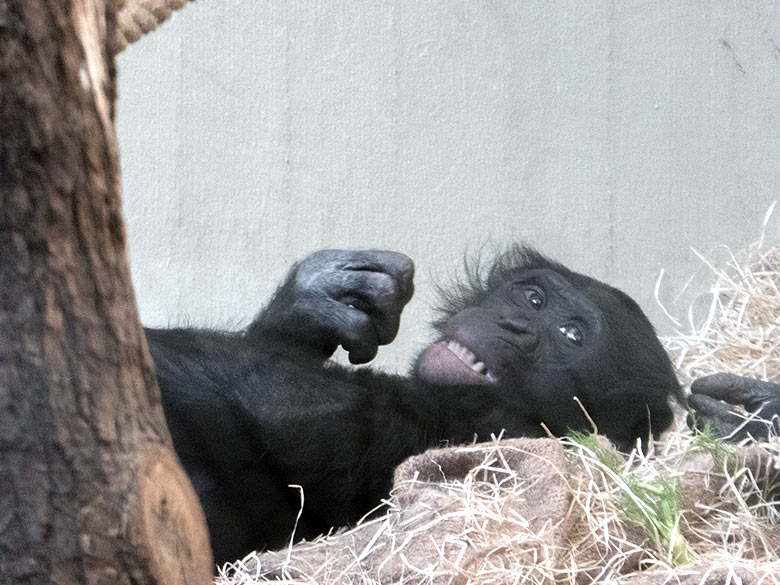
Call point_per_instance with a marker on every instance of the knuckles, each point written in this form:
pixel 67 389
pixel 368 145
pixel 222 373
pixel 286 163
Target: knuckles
pixel 383 275
pixel 726 402
pixel 361 293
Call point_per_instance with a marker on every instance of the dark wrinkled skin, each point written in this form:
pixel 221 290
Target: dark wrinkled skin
pixel 254 412
pixel 735 407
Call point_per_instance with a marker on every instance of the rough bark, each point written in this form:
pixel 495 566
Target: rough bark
pixel 90 489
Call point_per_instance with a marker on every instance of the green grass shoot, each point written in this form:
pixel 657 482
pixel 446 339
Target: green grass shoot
pixel 653 505
pixel 707 440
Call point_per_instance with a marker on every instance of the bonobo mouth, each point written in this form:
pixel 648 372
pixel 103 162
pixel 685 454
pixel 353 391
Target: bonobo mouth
pixel 450 362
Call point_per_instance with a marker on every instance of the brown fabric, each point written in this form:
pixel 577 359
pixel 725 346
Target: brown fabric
pixel 523 511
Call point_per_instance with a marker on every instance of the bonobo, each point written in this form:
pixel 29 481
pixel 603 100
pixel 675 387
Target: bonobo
pixel 256 413
pixel 716 399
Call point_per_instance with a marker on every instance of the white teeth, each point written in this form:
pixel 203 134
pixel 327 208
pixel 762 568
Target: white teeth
pixel 467 357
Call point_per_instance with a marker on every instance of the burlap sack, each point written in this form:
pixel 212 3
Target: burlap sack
pixel 525 511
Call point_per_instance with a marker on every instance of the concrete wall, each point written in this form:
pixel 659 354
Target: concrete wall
pixel 613 135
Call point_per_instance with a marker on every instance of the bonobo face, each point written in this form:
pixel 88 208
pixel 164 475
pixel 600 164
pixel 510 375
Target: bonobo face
pixel 535 322
pixel 541 335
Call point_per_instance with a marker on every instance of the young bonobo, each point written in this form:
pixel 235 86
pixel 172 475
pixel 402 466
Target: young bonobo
pixel 256 412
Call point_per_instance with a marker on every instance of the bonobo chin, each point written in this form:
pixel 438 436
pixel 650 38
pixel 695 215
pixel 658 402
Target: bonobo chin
pixel 254 412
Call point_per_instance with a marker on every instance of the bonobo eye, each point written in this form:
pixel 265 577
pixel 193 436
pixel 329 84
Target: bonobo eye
pixel 535 297
pixel 572 334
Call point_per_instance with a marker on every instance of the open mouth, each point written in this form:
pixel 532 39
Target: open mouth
pixel 468 357
pixel 450 362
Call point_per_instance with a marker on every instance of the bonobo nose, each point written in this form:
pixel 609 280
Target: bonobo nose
pixel 524 334
pixel 518 326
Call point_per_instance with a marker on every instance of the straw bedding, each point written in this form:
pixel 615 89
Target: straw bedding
pixel 543 511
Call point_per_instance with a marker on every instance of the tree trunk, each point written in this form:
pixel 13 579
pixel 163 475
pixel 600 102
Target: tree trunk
pixel 90 489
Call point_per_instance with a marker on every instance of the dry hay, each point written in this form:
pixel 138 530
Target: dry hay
pixel 735 326
pixel 505 522
pixel 545 511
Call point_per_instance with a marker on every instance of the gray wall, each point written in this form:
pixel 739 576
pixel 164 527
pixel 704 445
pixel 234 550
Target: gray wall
pixel 613 135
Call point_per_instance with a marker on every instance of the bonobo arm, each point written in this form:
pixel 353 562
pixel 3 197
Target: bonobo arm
pixel 713 399
pixel 339 297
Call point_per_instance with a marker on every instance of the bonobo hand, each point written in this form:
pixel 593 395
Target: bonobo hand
pixel 342 297
pixel 714 397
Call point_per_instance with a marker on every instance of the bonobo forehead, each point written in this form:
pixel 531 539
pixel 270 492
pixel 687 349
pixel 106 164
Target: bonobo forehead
pixel 521 260
pixel 613 303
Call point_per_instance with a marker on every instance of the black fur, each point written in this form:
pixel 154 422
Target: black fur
pixel 735 407
pixel 252 413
